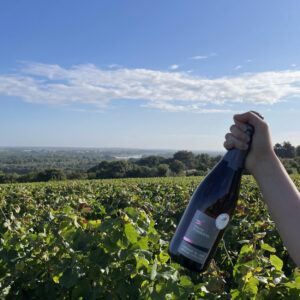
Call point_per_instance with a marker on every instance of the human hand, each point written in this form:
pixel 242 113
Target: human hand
pixel 261 147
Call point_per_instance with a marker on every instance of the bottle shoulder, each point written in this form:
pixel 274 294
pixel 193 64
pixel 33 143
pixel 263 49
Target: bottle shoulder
pixel 218 188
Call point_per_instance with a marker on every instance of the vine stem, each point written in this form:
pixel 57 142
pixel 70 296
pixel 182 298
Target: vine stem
pixel 3 212
pixel 227 252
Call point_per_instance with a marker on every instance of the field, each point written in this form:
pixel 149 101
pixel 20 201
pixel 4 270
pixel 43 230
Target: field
pixel 108 239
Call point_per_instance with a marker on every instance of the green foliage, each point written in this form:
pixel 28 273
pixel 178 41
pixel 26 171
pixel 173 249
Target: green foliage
pixel 286 149
pixel 23 160
pixel 186 157
pixel 177 166
pixel 151 161
pixel 57 165
pixel 298 151
pixel 108 239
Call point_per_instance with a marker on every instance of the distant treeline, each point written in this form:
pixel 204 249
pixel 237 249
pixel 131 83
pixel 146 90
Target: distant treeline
pixel 23 161
pixel 182 163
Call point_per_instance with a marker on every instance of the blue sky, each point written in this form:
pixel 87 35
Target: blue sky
pixel 146 74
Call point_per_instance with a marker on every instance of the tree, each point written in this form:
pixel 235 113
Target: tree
pixel 77 175
pixel 50 174
pixel 9 178
pixel 163 170
pixel 286 150
pixel 298 150
pixel 187 157
pixel 114 169
pixel 102 165
pixel 141 171
pixel 177 166
pixel 151 161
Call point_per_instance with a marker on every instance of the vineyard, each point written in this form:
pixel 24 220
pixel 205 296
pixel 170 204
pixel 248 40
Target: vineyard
pixel 108 239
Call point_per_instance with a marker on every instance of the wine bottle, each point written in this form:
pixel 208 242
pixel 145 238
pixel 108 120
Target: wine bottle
pixel 209 212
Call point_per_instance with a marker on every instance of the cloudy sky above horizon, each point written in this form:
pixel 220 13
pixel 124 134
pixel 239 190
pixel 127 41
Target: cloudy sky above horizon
pixel 146 74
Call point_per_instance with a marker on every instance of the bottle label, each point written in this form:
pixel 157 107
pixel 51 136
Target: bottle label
pixel 200 237
pixel 222 221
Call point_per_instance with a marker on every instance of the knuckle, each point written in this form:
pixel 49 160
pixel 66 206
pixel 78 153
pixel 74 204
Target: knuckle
pixel 228 136
pixel 228 144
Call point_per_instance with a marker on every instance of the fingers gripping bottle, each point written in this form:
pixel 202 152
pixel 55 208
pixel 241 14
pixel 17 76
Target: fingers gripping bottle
pixel 209 211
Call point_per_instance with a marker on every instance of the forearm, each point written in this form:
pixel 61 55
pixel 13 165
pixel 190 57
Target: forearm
pixel 283 202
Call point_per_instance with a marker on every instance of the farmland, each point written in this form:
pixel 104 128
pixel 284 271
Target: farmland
pixel 108 239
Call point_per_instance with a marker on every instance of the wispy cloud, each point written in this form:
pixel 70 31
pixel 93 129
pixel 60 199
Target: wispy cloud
pixel 170 91
pixel 174 67
pixel 198 57
pixel 238 67
pixel 113 66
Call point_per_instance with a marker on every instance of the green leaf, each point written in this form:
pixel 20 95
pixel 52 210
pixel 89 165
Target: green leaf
pixel 215 284
pixel 99 258
pixel 94 224
pixel 235 294
pixel 140 262
pixel 164 257
pixel 143 243
pixel 246 249
pixel 276 262
pixel 68 278
pixel 267 247
pixel 82 290
pixel 131 233
pixel 153 270
pixel 185 281
pixel 131 212
pixel 251 288
pixel 56 279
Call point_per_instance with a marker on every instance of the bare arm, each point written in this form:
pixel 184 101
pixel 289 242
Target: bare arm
pixel 278 190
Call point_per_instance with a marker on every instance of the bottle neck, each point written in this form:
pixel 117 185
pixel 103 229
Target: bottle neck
pixel 235 158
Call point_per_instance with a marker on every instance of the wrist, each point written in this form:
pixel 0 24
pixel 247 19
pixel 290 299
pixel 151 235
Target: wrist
pixel 266 165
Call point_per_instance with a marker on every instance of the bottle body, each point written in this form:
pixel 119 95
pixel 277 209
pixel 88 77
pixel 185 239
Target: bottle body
pixel 208 213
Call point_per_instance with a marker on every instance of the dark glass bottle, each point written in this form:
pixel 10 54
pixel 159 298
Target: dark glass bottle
pixel 209 211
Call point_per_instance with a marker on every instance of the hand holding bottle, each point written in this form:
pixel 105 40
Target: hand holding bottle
pixel 279 192
pixel 261 148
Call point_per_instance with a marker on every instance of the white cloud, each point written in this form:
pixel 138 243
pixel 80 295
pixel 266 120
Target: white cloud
pixel 238 67
pixel 112 66
pixel 293 65
pixel 174 67
pixel 199 57
pixel 170 91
